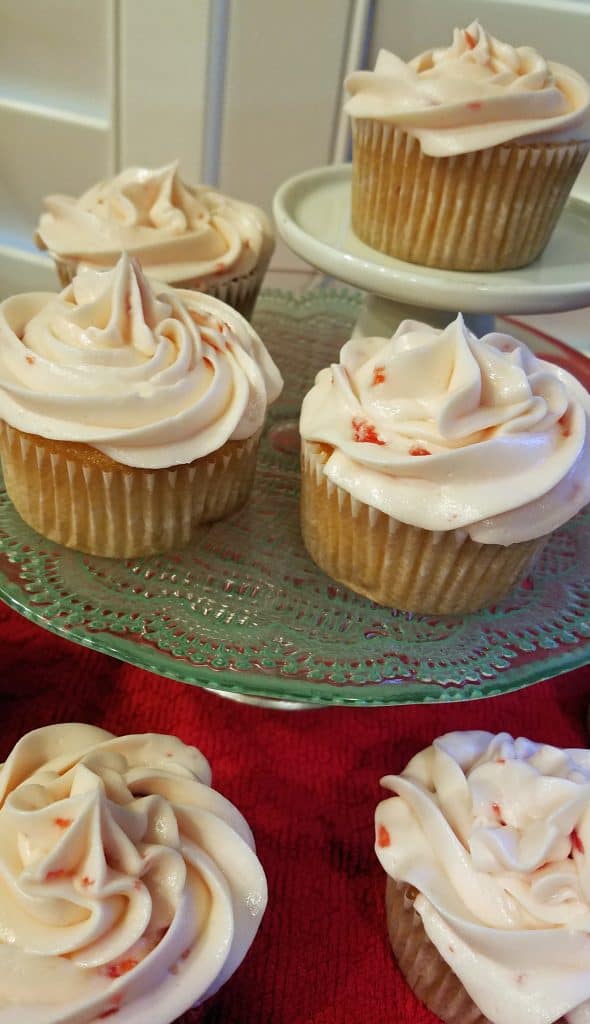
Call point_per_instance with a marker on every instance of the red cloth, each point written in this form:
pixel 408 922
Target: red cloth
pixel 308 783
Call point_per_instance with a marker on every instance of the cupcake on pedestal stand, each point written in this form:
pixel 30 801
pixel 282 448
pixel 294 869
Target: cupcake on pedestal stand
pixel 312 213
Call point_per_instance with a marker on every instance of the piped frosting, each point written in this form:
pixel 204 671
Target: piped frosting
pixel 442 430
pixel 477 93
pixel 177 231
pixel 149 375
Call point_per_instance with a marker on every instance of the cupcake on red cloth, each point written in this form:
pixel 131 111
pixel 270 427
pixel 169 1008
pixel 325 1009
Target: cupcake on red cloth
pixel 131 888
pixel 485 842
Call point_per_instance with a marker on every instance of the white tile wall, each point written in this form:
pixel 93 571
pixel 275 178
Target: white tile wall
pixel 244 92
pixel 163 83
pixel 56 53
pixel 282 94
pixel 40 155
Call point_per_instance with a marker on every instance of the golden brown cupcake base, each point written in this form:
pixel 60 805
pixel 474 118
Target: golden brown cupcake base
pixel 490 210
pixel 397 565
pixel 76 496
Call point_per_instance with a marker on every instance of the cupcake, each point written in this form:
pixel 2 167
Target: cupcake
pixel 187 236
pixel 435 465
pixel 484 844
pixel 129 413
pixel 464 158
pixel 131 887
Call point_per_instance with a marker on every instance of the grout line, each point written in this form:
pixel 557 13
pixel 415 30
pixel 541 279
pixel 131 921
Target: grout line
pixel 55 113
pixel 359 28
pixel 13 251
pixel 219 18
pixel 116 135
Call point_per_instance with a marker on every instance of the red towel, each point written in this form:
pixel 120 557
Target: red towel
pixel 308 783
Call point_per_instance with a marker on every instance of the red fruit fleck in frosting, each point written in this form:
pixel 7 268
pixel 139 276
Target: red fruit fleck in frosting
pixel 565 425
pixel 364 432
pixel 62 822
pixel 498 812
pixel 417 449
pixel 86 881
pixel 52 876
pixel 121 967
pixel 31 360
pixel 474 106
pixel 471 42
pixel 108 1013
pixel 383 837
pixel 576 842
pixel 378 375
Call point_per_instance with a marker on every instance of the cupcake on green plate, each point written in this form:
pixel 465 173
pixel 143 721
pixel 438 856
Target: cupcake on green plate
pixel 130 411
pixel 435 465
pixel 188 236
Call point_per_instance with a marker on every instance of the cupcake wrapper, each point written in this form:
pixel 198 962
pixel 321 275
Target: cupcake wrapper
pixel 401 566
pixel 114 510
pixel 429 976
pixel 494 209
pixel 238 292
pixel 427 973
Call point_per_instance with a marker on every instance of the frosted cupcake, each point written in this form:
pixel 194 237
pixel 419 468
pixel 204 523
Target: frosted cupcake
pixel 464 157
pixel 435 465
pixel 129 413
pixel 485 843
pixel 130 886
pixel 187 236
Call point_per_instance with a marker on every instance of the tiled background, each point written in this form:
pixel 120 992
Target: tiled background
pixel 244 92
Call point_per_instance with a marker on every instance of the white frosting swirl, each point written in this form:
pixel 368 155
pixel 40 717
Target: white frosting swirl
pixel 477 93
pixel 127 883
pixel 494 833
pixel 152 378
pixel 442 430
pixel 177 231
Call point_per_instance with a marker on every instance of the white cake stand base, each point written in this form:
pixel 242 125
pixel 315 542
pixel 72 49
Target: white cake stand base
pixel 379 318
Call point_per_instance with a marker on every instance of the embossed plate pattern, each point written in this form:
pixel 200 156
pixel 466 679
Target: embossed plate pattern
pixel 243 609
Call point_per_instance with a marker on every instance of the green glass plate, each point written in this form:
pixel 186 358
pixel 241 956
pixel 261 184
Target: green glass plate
pixel 244 610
